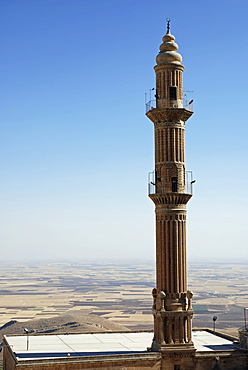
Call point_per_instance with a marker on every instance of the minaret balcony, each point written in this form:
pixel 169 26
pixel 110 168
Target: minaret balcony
pixel 158 103
pixel 177 104
pixel 155 185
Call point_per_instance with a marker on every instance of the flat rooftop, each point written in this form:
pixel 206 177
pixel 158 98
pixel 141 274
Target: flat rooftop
pixel 74 345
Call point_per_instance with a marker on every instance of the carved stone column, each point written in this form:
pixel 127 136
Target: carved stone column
pixel 171 300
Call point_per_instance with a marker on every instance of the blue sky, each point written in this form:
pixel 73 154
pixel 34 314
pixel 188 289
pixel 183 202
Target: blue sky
pixel 76 147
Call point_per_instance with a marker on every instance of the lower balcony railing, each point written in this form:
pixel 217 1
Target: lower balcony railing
pixel 154 186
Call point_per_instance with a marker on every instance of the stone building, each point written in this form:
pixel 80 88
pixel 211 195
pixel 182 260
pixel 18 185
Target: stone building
pixel 173 345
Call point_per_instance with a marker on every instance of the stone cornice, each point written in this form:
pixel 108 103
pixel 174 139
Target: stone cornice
pixel 174 199
pixel 168 115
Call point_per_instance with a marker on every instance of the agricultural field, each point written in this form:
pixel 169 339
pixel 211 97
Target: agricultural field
pixel 118 292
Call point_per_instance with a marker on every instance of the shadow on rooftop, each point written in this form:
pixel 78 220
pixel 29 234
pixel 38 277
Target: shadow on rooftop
pixel 220 347
pixel 73 354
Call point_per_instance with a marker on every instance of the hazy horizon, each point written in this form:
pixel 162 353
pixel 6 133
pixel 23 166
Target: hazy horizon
pixel 123 261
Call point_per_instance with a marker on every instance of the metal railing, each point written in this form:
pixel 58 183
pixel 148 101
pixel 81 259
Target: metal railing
pixel 186 104
pixel 154 189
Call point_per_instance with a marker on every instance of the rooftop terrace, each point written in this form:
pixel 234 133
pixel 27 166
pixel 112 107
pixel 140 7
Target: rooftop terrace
pixel 75 345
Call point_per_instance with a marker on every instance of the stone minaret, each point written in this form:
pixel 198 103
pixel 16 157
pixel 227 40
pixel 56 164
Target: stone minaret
pixel 170 192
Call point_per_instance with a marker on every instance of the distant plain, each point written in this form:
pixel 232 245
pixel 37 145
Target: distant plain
pixel 119 292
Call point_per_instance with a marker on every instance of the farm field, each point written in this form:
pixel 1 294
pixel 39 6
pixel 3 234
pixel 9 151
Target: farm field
pixel 118 292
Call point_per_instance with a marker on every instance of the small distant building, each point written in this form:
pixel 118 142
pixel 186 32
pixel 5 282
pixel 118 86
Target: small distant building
pixel 173 345
pixel 243 337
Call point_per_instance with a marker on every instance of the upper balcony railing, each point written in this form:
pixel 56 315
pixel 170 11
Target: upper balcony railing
pixel 185 103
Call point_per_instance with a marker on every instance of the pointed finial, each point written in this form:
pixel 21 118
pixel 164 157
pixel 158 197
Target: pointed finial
pixel 168 25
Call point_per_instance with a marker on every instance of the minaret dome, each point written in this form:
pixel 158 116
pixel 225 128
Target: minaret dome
pixel 168 50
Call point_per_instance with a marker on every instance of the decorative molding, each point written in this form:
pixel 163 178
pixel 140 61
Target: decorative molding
pixel 174 199
pixel 161 117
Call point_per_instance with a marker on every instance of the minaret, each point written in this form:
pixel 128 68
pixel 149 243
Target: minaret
pixel 170 192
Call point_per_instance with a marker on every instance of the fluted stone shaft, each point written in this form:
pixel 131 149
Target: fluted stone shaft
pixel 169 156
pixel 171 251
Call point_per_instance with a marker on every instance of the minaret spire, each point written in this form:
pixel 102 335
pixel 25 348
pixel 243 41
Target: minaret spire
pixel 170 193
